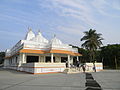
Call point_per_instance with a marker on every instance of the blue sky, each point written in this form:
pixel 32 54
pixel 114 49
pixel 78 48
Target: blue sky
pixel 68 19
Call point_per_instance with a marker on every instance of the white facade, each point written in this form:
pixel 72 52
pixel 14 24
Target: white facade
pixel 47 53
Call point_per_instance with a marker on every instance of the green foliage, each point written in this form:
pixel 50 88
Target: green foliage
pixel 2 55
pixel 85 55
pixel 92 41
pixel 111 55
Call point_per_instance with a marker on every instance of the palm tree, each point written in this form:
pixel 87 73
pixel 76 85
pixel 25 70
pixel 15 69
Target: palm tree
pixel 92 42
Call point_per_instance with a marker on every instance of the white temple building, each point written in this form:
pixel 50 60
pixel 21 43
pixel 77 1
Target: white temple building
pixel 35 54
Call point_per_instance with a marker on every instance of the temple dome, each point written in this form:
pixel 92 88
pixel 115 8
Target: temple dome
pixel 29 35
pixel 55 41
pixel 39 38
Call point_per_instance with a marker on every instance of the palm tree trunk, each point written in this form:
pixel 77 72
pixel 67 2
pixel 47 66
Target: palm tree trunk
pixel 115 62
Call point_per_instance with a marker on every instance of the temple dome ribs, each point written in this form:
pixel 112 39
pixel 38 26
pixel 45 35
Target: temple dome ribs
pixel 39 38
pixel 29 35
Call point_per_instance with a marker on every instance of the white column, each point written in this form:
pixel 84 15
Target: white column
pixel 52 58
pixel 19 59
pixel 6 63
pixel 77 58
pixel 68 60
pixel 57 59
pixel 72 60
pixel 12 61
pixel 60 59
pixel 23 58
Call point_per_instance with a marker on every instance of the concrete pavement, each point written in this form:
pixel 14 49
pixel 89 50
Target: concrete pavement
pixel 13 80
pixel 108 79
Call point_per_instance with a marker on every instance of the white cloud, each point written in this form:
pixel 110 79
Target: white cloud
pixel 73 8
pixel 116 4
pixel 11 35
pixel 71 30
pixel 104 7
pixel 70 39
pixel 19 20
pixel 17 1
pixel 77 9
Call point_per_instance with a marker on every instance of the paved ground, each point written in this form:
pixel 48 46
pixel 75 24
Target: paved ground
pixel 13 80
pixel 108 79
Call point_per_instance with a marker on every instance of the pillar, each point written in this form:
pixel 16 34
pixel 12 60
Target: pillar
pixel 60 59
pixel 6 62
pixel 19 59
pixel 57 59
pixel 42 59
pixel 52 58
pixel 72 60
pixel 68 60
pixel 23 58
pixel 77 58
pixel 11 60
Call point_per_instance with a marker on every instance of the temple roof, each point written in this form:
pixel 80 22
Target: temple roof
pixel 38 44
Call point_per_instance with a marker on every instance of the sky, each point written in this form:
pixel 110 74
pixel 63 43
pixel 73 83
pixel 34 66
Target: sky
pixel 67 19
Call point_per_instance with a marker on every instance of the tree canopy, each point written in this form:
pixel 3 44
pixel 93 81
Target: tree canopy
pixel 2 55
pixel 92 41
pixel 111 55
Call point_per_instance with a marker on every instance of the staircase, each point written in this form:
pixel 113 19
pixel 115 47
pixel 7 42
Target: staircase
pixel 72 70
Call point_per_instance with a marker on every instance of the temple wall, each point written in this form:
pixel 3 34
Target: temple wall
pixel 49 67
pixel 39 68
pixel 98 66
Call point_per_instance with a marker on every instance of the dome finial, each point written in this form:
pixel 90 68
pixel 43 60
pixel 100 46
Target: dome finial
pixel 54 35
pixel 29 29
pixel 29 34
pixel 39 32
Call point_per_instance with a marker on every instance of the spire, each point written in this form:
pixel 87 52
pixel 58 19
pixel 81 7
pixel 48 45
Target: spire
pixel 30 34
pixel 39 30
pixel 55 41
pixel 40 38
pixel 29 29
pixel 54 36
pixel 39 33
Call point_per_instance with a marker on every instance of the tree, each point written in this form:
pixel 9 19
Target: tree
pixel 111 56
pixel 2 55
pixel 92 41
pixel 85 56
